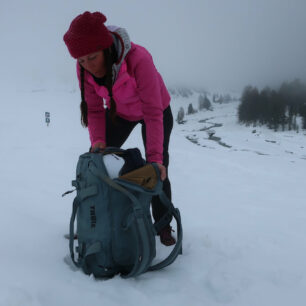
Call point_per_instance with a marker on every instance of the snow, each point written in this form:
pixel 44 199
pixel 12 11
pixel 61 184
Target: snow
pixel 242 206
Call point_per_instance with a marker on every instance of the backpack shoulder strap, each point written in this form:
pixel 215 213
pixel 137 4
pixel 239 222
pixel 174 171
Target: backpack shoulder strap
pixel 172 211
pixel 143 249
pixel 178 246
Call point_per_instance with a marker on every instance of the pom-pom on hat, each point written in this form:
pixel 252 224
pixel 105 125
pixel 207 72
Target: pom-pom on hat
pixel 87 34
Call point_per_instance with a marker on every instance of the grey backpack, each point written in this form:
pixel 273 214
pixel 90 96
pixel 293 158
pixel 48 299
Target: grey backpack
pixel 115 232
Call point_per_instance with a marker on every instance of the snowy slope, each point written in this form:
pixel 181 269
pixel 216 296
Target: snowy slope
pixel 242 206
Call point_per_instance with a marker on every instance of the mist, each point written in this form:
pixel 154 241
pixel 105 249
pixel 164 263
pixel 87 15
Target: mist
pixel 213 45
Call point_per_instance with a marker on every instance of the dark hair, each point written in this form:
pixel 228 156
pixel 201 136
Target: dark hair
pixel 110 57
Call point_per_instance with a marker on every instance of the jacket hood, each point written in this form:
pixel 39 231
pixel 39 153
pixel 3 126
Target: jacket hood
pixel 122 45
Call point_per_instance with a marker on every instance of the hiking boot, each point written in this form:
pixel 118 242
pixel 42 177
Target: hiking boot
pixel 166 237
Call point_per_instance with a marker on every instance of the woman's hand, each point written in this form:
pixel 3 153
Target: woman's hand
pixel 163 172
pixel 99 145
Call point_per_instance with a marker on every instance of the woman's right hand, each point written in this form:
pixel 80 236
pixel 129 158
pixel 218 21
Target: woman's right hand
pixel 98 145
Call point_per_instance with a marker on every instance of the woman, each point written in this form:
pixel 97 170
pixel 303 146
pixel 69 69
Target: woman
pixel 120 87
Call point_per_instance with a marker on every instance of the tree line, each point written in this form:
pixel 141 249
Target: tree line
pixel 203 103
pixel 278 109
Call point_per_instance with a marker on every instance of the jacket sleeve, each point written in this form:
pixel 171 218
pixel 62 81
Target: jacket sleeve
pixel 96 112
pixel 148 89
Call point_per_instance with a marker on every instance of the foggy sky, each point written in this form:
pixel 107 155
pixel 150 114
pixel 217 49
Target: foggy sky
pixel 213 44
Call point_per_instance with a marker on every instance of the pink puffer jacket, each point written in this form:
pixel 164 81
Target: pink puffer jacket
pixel 139 92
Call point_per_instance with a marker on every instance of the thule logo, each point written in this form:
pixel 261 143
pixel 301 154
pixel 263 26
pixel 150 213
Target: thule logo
pixel 93 218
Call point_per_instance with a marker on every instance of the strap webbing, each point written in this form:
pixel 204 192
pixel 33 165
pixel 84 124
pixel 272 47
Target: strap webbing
pixel 75 207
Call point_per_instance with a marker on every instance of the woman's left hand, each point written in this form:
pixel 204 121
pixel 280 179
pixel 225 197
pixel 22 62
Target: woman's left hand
pixel 163 172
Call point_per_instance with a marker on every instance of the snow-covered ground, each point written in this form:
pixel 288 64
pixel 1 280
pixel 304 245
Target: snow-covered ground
pixel 241 195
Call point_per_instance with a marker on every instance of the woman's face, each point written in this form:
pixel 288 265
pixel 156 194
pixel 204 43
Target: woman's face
pixel 94 63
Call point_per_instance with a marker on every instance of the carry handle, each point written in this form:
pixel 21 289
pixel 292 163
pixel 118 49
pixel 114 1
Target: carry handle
pixel 108 150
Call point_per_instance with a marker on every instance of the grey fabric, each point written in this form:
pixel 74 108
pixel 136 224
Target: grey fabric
pixel 122 50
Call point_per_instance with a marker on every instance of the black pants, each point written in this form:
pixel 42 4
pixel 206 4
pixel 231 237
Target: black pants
pixel 118 132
